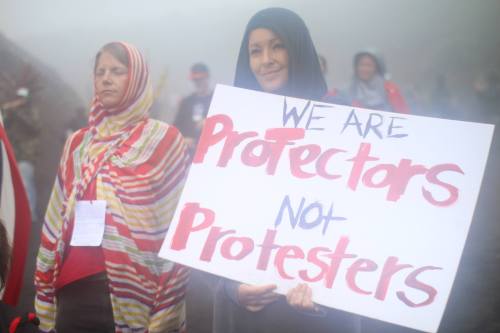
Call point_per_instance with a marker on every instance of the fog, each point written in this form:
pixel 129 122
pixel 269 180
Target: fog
pixel 419 39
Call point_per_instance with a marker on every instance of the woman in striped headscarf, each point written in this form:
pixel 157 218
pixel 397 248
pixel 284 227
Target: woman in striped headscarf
pixel 135 167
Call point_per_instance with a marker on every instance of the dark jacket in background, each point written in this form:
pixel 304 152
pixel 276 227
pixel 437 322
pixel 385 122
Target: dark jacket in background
pixel 191 109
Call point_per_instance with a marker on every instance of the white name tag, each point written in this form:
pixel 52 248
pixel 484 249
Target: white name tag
pixel 88 229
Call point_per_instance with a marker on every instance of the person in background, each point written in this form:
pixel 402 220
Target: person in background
pixel 193 109
pixel 441 99
pixel 11 320
pixel 277 56
pixel 487 91
pixel 323 64
pixel 77 121
pixel 126 171
pixel 334 93
pixel 370 89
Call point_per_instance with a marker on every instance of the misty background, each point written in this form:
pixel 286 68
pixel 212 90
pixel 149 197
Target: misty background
pixel 420 40
pixel 434 50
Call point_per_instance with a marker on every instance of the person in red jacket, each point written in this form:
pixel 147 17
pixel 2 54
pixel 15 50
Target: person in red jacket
pixel 369 88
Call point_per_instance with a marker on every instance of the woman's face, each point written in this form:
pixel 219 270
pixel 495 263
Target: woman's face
pixel 111 79
pixel 366 68
pixel 268 59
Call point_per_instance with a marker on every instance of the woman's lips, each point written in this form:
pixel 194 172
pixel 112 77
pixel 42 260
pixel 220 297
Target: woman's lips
pixel 271 74
pixel 107 92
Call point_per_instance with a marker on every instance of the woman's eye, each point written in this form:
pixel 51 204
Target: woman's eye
pixel 254 51
pixel 119 71
pixel 278 46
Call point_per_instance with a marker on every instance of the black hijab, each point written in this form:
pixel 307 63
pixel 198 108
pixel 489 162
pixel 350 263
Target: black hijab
pixel 305 79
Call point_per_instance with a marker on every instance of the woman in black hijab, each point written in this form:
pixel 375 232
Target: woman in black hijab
pixel 305 79
pixel 277 55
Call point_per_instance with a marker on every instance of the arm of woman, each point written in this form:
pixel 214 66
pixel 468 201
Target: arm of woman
pixel 167 313
pixel 252 298
pixel 256 298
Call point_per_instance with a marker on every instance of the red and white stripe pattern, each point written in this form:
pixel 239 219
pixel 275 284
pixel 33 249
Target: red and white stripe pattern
pixel 15 213
pixel 139 170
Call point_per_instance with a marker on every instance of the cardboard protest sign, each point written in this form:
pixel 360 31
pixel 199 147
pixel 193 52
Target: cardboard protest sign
pixel 371 209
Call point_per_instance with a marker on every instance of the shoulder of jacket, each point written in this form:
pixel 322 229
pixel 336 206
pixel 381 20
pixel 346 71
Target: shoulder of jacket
pixel 161 124
pixel 391 86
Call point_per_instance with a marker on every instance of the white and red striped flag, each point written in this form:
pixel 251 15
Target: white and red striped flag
pixel 15 212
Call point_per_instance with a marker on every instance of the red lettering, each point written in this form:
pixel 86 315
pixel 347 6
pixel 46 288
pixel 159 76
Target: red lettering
pixel 359 161
pixel 213 237
pixel 250 158
pixel 432 177
pixel 209 137
pixel 281 137
pixel 232 141
pixel 323 161
pixel 391 267
pixel 246 247
pixel 360 265
pixel 403 174
pixel 297 160
pixel 313 258
pixel 368 177
pixel 267 247
pixel 287 252
pixel 411 281
pixel 186 224
pixel 308 161
pixel 336 259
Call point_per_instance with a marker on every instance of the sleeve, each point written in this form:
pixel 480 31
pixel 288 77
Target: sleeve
pixel 396 98
pixel 320 312
pixel 231 289
pixel 168 312
pixel 45 304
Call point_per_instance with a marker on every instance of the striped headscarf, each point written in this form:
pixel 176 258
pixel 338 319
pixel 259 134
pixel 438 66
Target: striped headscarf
pixel 135 103
pixel 110 127
pixel 138 166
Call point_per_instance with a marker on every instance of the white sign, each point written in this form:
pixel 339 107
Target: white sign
pixel 370 208
pixel 88 229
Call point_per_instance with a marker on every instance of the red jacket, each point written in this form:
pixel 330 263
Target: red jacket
pixel 394 97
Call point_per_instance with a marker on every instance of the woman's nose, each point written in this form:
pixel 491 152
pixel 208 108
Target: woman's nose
pixel 267 56
pixel 106 78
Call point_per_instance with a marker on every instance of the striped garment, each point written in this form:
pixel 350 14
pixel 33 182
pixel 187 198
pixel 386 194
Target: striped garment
pixel 139 167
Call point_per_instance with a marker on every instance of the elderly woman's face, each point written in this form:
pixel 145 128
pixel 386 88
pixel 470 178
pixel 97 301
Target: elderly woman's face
pixel 111 79
pixel 268 59
pixel 366 68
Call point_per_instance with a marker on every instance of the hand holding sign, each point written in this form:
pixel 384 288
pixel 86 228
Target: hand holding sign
pixel 255 298
pixel 300 298
pixel 373 220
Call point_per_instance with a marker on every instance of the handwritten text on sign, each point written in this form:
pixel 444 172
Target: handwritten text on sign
pixel 371 209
